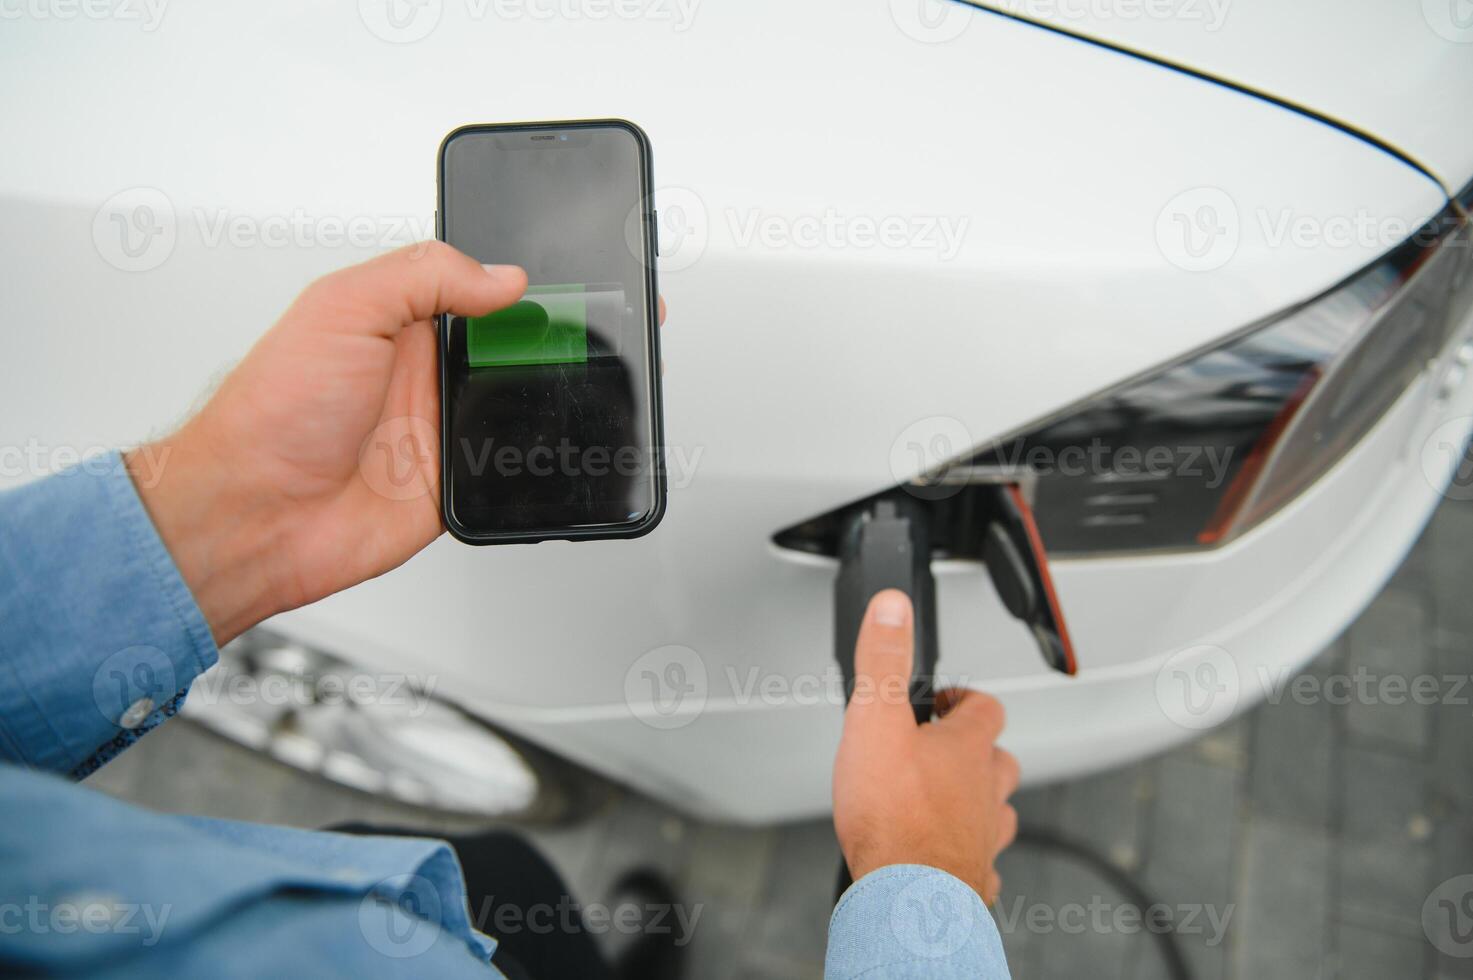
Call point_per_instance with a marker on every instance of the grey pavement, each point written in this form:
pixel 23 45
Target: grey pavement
pixel 1302 840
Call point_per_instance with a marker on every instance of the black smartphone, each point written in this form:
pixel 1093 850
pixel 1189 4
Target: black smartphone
pixel 550 419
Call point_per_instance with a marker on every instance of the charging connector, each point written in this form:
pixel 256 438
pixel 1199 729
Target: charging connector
pixel 886 544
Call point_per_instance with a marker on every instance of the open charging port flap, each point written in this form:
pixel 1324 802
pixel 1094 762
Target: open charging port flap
pixel 972 513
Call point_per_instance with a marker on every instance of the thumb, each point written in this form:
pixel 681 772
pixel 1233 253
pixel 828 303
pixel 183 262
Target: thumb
pixel 386 294
pixel 882 663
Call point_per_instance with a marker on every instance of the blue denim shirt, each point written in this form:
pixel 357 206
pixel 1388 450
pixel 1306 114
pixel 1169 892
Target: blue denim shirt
pixel 99 642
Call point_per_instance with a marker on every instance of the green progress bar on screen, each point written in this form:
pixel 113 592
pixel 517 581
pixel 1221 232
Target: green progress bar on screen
pixel 549 325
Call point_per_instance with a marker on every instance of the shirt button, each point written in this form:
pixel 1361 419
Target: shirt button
pixel 137 713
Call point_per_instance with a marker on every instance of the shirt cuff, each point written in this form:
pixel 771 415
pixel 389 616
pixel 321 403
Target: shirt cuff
pixel 909 920
pixel 103 636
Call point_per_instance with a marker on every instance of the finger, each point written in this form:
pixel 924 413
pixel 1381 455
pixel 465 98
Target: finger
pixel 1005 765
pixel 1007 829
pixel 384 295
pixel 992 890
pixel 882 663
pixel 948 698
pixel 964 709
pixel 662 311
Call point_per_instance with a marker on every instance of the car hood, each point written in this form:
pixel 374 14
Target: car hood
pixel 868 224
pixel 1400 73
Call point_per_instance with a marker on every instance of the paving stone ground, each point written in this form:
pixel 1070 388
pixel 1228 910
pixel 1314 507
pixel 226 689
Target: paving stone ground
pixel 1303 840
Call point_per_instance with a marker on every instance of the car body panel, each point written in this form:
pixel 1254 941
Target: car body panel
pixel 793 368
pixel 1400 72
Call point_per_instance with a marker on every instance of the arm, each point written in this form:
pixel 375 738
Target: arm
pixel 921 813
pixel 118 578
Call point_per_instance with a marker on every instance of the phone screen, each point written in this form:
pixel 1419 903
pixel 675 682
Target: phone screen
pixel 550 406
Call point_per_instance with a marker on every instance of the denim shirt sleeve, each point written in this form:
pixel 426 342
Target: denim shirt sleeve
pixel 909 921
pixel 99 635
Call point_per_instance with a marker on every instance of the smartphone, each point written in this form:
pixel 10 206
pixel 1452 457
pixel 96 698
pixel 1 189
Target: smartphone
pixel 551 422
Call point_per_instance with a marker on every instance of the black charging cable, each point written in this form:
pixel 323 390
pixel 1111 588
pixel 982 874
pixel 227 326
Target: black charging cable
pixel 1167 940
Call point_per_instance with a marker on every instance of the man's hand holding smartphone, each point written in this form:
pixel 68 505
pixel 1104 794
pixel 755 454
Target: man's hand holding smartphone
pixel 316 465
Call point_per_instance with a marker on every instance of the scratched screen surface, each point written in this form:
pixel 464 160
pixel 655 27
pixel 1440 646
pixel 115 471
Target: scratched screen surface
pixel 550 422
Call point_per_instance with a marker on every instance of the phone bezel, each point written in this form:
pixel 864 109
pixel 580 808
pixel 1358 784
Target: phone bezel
pixel 629 529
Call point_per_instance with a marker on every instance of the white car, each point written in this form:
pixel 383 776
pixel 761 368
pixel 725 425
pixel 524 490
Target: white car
pixel 1201 265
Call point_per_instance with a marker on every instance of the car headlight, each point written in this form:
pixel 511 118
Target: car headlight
pixel 1202 450
pixel 1206 448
